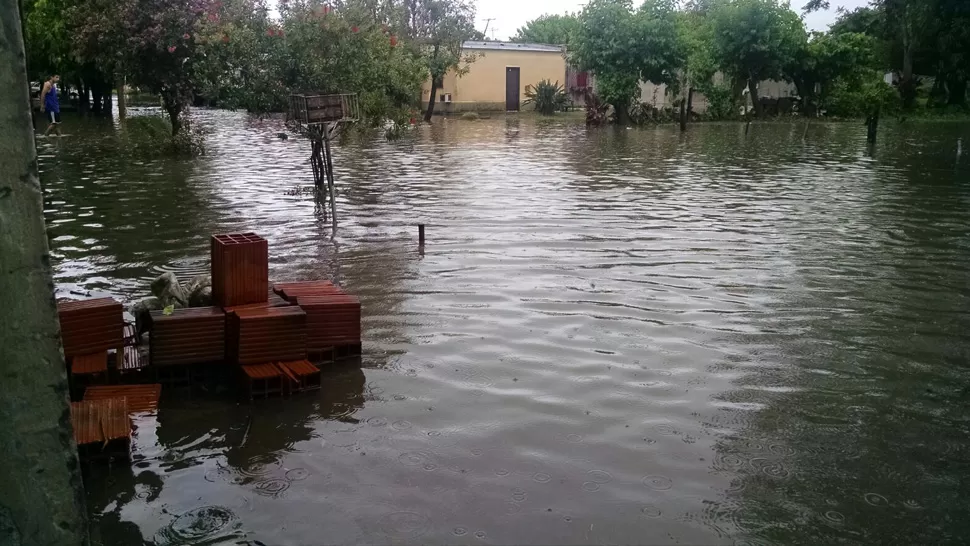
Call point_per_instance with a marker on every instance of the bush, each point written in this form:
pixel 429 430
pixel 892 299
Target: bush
pixel 720 102
pixel 151 136
pixel 597 111
pixel 547 97
pixel 851 99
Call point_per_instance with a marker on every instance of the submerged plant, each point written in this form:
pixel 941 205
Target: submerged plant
pixel 547 97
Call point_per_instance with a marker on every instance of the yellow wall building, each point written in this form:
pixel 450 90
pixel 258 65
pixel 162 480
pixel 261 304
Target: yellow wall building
pixel 496 80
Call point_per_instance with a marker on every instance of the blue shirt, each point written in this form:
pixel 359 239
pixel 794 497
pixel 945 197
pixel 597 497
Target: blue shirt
pixel 50 100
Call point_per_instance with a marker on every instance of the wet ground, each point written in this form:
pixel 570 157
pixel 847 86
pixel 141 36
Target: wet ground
pixel 613 336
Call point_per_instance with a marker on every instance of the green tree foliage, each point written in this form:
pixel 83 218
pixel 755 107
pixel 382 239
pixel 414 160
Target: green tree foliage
pixel 438 28
pixel 549 29
pixel 623 46
pixel 754 40
pixel 546 97
pixel 825 59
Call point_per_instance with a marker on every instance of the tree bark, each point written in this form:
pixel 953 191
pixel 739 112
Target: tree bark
pixel 683 114
pixel 42 499
pixel 435 84
pixel 622 112
pixel 956 89
pixel 82 97
pixel 174 109
pixel 122 99
pixel 872 125
pixel 755 101
pixel 907 83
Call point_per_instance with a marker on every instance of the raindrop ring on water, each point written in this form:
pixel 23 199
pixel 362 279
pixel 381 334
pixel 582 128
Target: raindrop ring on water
pixel 198 524
pixel 591 487
pixel 600 476
pixel 875 499
pixel 834 517
pixel 657 483
pixel 404 524
pixel 272 488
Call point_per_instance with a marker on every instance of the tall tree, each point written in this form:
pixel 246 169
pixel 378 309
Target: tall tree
pixel 911 22
pixel 438 29
pixel 753 40
pixel 824 59
pixel 43 499
pixel 548 29
pixel 622 47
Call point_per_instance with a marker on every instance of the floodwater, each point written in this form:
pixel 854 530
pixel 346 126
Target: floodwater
pixel 612 336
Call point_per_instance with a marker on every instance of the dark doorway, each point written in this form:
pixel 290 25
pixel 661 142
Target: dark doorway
pixel 511 89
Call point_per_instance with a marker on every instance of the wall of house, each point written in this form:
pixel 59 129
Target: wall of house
pixel 656 95
pixel 483 87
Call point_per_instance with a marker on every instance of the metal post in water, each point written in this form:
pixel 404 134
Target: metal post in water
pixel 420 234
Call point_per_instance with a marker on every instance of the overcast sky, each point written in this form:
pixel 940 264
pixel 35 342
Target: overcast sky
pixel 509 15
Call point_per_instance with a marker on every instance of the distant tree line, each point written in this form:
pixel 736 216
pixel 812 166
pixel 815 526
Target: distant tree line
pixel 683 45
pixel 234 54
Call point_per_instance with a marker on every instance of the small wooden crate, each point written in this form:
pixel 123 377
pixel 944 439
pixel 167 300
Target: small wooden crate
pixel 240 269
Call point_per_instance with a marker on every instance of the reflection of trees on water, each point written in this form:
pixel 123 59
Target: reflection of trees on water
pixel 114 487
pixel 854 414
pixel 110 215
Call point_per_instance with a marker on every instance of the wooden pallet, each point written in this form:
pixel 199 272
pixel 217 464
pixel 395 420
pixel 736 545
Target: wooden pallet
pixel 139 398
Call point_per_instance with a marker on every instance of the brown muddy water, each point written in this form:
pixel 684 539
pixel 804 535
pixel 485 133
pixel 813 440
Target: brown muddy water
pixel 613 336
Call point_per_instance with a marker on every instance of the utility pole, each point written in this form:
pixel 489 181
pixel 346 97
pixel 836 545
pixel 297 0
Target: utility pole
pixel 488 21
pixel 41 496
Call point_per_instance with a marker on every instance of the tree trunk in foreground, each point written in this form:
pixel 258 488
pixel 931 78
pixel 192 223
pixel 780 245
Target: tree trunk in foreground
pixel 42 500
pixel 434 92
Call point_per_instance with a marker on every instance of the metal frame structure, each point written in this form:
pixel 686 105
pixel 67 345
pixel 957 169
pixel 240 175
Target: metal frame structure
pixel 319 117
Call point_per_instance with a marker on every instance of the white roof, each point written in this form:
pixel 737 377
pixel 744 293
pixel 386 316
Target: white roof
pixel 512 46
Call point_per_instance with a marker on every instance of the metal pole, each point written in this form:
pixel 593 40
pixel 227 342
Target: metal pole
pixel 330 183
pixel 420 234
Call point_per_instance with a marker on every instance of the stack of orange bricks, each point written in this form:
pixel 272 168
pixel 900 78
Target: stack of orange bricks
pixel 89 328
pixel 188 336
pixel 265 335
pixel 333 317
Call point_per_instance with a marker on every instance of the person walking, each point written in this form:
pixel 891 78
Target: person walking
pixel 50 105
